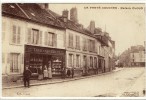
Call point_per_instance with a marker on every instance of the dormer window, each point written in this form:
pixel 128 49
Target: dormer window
pixel 12 6
pixel 32 14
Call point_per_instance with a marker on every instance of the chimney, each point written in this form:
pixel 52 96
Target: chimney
pixel 65 13
pixel 73 15
pixel 44 5
pixel 92 26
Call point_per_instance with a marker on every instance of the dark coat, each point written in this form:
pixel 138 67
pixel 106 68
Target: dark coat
pixel 26 74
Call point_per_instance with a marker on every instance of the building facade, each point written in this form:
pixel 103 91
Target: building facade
pixel 137 58
pixel 39 38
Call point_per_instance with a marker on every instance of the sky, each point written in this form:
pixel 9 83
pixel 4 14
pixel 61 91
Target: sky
pixel 125 26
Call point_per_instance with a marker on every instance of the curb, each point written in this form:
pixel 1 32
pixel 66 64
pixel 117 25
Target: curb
pixel 61 81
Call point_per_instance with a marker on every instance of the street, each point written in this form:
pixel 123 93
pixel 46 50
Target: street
pixel 111 84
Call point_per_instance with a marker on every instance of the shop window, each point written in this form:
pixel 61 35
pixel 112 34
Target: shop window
pixel 70 40
pixel 14 62
pixel 77 42
pixel 70 60
pixel 16 34
pixel 77 60
pixel 50 39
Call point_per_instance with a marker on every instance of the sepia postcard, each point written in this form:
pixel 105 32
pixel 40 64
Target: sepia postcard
pixel 73 50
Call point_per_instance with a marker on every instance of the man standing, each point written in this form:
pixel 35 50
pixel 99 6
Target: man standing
pixel 26 75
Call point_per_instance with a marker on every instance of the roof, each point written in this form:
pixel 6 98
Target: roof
pixel 30 11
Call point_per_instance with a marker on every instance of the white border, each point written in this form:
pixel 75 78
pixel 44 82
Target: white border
pixel 73 1
pixel 68 1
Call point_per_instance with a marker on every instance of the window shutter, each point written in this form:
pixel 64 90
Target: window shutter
pixel 40 38
pixel 76 42
pixel 55 40
pixel 46 38
pixel 14 34
pixel 22 58
pixel 19 35
pixel 28 36
pixel 69 40
pixel 79 42
pixel 72 41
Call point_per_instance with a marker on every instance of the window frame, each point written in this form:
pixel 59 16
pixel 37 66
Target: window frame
pixel 12 67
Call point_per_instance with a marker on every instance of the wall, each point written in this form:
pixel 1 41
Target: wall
pixel 8 47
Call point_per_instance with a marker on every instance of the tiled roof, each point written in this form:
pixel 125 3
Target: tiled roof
pixel 11 8
pixel 31 12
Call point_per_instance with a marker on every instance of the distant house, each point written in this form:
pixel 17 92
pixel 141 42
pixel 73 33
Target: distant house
pixel 137 58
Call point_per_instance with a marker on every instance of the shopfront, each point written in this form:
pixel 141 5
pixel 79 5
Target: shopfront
pixel 36 57
pixel 101 64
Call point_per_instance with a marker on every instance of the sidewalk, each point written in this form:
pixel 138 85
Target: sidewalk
pixel 19 84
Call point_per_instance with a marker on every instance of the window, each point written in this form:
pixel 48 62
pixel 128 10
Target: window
pixel 95 62
pixel 14 63
pixel 133 55
pixel 84 61
pixel 91 62
pixel 50 39
pixel 70 60
pixel 70 40
pixel 77 42
pixel 16 33
pixel 91 45
pixel 34 36
pixel 77 60
pixel 85 44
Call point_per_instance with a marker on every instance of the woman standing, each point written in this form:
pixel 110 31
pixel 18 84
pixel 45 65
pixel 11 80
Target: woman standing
pixel 45 73
pixel 50 72
pixel 40 73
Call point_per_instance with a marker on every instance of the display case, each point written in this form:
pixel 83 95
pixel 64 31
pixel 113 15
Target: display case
pixel 56 65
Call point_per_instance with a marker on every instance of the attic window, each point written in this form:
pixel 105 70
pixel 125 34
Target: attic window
pixel 12 6
pixel 32 14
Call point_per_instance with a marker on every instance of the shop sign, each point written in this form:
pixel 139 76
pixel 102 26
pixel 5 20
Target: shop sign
pixel 43 50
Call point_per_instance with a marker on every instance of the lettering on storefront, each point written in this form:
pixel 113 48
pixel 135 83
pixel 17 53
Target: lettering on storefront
pixel 44 50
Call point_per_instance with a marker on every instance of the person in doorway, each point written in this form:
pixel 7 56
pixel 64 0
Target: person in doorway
pixel 26 77
pixel 63 73
pixel 50 72
pixel 72 73
pixel 45 73
pixel 40 72
pixel 68 73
